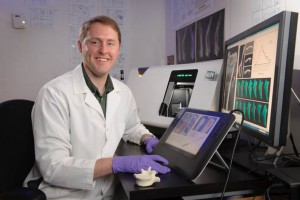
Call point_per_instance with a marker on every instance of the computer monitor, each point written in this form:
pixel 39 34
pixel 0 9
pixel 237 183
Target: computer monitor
pixel 257 77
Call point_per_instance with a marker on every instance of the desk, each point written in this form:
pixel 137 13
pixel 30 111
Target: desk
pixel 209 185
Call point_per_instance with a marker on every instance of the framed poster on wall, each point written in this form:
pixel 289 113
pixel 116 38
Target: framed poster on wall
pixel 202 40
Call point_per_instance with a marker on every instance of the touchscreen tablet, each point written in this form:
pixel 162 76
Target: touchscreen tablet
pixel 192 139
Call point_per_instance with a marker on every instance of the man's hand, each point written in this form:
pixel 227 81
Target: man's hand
pixel 134 164
pixel 150 143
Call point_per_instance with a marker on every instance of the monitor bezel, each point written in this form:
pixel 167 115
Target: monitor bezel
pixel 287 29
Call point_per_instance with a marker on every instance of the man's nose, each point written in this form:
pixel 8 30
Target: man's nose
pixel 103 48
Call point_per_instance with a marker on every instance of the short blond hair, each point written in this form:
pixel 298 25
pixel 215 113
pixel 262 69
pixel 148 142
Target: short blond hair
pixel 98 19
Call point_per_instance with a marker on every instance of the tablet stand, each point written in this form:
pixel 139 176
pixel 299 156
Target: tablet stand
pixel 223 164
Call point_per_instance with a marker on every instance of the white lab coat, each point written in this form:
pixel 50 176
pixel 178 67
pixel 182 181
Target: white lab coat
pixel 71 133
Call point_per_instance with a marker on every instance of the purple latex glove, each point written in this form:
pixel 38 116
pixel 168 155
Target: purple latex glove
pixel 134 164
pixel 150 143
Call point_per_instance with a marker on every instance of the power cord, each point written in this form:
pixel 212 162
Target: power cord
pixel 233 150
pixel 293 144
pixel 295 95
pixel 275 185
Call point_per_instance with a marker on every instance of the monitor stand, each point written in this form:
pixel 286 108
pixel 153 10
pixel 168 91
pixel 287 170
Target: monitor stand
pixel 258 161
pixel 273 152
pixel 255 162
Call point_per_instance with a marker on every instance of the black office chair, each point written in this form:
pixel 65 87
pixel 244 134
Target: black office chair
pixel 16 150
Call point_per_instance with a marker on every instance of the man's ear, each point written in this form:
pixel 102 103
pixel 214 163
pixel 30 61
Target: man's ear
pixel 79 45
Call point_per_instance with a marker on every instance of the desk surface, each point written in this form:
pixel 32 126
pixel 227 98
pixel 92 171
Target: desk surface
pixel 209 184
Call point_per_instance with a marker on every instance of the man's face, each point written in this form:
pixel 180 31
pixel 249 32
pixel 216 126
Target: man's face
pixel 100 50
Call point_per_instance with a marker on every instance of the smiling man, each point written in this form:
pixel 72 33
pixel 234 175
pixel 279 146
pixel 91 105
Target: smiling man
pixel 79 119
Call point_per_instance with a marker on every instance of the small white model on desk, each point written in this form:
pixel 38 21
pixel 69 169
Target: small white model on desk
pixel 146 177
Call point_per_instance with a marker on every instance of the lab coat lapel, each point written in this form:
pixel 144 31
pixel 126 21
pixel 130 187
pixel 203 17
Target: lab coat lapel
pixel 80 88
pixel 91 100
pixel 113 100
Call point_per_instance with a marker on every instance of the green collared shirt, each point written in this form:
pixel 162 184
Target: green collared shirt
pixel 108 88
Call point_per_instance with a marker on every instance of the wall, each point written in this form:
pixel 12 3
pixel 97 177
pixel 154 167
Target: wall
pixel 295 115
pixel 32 56
pixel 148 36
pixel 294 6
pixel 29 57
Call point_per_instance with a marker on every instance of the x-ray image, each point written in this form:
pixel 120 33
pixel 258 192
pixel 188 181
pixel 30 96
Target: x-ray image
pixel 230 79
pixel 210 37
pixel 185 44
pixel 202 40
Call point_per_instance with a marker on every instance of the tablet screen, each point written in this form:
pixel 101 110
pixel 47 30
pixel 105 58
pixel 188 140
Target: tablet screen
pixel 191 131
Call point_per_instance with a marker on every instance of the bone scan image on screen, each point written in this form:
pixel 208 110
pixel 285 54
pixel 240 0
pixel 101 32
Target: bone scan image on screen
pixel 191 132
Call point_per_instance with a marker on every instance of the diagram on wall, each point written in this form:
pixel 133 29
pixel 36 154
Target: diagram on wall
pixel 79 11
pixel 187 11
pixel 119 11
pixel 263 9
pixel 41 15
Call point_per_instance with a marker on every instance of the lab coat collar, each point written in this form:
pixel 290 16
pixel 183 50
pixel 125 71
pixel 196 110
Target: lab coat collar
pixel 80 87
pixel 113 99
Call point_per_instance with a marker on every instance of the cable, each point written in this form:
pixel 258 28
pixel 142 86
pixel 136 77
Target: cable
pixel 270 187
pixel 233 150
pixel 273 157
pixel 293 143
pixel 296 96
pixel 255 146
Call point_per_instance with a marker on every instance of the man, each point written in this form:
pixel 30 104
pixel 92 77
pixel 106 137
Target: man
pixel 79 119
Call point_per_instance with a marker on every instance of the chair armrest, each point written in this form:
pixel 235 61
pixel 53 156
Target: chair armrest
pixel 23 193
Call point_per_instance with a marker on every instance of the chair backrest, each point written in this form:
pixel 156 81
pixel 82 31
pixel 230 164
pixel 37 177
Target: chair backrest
pixel 16 143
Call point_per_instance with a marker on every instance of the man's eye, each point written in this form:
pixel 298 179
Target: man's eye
pixel 95 42
pixel 111 44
